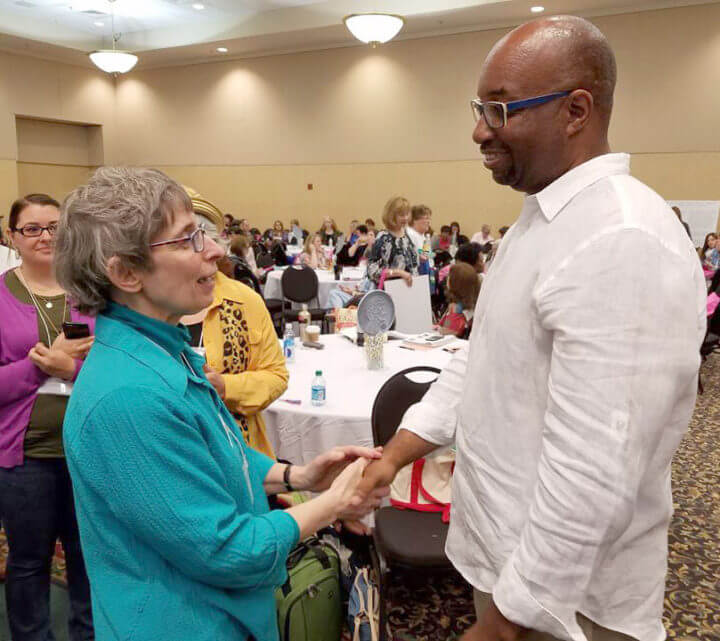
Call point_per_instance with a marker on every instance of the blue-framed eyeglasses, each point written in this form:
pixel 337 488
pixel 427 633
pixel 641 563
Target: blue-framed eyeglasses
pixel 496 113
pixel 196 239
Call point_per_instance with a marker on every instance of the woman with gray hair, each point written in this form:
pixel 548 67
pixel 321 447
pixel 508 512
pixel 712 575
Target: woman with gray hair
pixel 178 537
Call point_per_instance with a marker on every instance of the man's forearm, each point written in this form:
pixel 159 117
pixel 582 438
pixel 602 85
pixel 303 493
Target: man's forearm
pixel 406 447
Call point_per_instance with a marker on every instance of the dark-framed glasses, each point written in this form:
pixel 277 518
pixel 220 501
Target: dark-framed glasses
pixel 496 113
pixel 196 239
pixel 31 230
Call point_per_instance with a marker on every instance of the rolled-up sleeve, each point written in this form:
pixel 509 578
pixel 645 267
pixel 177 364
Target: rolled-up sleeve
pixel 435 418
pixel 625 332
pixel 170 492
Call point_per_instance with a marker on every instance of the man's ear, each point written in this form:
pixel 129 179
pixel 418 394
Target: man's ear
pixel 124 278
pixel 580 109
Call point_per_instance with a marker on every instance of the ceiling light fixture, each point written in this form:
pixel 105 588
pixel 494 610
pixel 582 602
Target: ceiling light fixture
pixel 537 9
pixel 222 50
pixel 374 28
pixel 198 6
pixel 99 24
pixel 111 60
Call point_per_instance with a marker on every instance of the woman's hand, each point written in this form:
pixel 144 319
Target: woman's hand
pixel 73 347
pixel 53 361
pixel 320 473
pixel 406 276
pixel 215 379
pixel 342 492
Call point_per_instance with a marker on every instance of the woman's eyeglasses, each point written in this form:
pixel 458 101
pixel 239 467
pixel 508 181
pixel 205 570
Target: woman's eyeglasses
pixel 33 231
pixel 196 239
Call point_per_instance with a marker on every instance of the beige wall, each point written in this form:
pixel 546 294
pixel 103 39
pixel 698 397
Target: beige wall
pixel 363 124
pixel 56 180
pixel 42 89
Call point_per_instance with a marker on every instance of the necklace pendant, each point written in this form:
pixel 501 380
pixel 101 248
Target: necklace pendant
pixel 48 305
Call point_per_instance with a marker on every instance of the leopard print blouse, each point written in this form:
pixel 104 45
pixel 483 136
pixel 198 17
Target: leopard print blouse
pixel 236 347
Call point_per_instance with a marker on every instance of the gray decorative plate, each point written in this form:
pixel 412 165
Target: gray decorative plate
pixel 376 312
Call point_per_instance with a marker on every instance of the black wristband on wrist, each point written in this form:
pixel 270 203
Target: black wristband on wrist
pixel 286 478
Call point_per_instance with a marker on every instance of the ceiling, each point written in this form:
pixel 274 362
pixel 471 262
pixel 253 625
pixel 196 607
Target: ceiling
pixel 173 32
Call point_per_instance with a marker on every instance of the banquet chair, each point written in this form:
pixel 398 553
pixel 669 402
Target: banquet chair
pixel 299 284
pixel 403 538
pixel 264 260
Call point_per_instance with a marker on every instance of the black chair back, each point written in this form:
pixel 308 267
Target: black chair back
pixel 299 284
pixel 265 260
pixel 392 401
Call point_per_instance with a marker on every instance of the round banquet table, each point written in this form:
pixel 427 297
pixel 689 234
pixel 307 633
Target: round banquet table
pixel 326 283
pixel 298 433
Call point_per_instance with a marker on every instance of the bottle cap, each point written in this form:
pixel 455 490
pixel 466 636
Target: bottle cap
pixel 318 372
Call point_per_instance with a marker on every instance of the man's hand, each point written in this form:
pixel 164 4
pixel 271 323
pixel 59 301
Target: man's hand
pixel 378 474
pixel 493 626
pixel 215 379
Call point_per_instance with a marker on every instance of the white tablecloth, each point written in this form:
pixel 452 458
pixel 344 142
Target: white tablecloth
pixel 326 283
pixel 298 433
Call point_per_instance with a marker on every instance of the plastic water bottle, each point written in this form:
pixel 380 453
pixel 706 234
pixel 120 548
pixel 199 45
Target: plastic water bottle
pixel 318 389
pixel 289 345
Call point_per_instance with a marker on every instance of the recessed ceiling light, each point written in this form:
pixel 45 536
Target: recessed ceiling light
pixel 222 50
pixel 199 6
pixel 537 9
pixel 99 24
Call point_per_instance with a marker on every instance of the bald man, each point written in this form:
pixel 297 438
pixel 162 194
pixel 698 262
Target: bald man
pixel 580 375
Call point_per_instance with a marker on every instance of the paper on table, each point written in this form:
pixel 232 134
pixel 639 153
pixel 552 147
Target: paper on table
pixel 353 273
pixel 413 313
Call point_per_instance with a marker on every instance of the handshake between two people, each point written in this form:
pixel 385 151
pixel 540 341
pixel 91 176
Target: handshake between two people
pixel 355 479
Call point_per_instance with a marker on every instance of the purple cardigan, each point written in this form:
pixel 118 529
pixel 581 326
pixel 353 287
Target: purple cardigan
pixel 19 377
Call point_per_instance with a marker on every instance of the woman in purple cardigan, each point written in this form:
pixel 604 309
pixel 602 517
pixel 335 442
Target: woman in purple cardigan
pixel 37 367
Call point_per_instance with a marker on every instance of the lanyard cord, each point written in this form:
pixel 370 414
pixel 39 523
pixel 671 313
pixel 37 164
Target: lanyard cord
pixel 45 318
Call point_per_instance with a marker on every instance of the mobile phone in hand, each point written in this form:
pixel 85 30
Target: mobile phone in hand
pixel 76 330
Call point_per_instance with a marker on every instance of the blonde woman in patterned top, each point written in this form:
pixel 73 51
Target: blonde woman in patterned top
pixel 244 361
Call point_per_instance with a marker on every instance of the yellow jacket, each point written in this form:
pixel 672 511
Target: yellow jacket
pixel 240 343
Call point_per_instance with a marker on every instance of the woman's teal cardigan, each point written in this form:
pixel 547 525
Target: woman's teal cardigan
pixel 178 538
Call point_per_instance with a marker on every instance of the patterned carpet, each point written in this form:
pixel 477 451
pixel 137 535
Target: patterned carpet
pixel 436 608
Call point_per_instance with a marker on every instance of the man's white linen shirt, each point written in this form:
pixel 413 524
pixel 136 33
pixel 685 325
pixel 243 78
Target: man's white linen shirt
pixel 575 390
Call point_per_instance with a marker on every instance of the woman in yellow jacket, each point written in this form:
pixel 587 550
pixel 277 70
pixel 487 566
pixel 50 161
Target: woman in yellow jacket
pixel 244 361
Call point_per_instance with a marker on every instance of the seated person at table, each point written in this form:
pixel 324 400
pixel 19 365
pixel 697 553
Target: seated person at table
pixel 245 364
pixel 443 240
pixel 470 253
pixel 345 295
pixel 352 255
pixel 313 254
pixel 179 540
pixel 241 249
pixel 393 255
pixel 352 231
pixel 710 253
pixel 329 232
pixel 274 247
pixel 456 236
pixel 278 232
pixel 462 289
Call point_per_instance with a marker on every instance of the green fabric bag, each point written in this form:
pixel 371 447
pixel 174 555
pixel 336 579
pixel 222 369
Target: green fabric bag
pixel 309 603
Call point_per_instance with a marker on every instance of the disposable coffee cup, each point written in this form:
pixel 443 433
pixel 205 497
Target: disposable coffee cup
pixel 313 333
